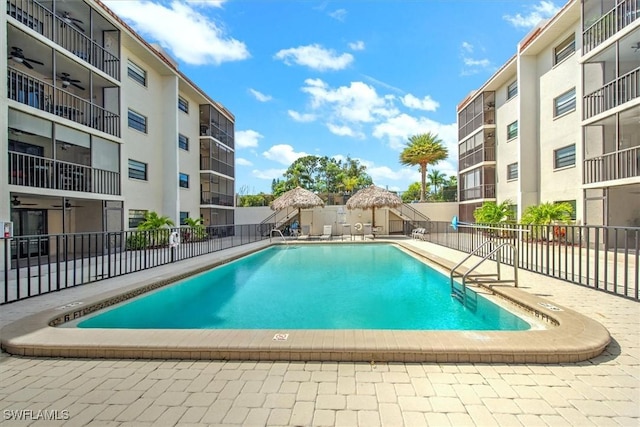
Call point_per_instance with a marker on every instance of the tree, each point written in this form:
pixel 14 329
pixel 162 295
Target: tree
pixel 153 221
pixel 423 149
pixel 412 193
pixel 547 213
pixel 493 213
pixel 437 180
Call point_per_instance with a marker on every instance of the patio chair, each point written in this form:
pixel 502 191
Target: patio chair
pixel 326 233
pixel 415 234
pixel 367 232
pixel 305 232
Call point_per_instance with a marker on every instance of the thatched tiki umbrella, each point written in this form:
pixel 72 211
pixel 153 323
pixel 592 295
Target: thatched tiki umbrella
pixel 297 198
pixel 373 197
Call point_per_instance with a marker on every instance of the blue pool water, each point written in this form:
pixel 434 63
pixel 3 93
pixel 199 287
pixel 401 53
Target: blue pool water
pixel 312 287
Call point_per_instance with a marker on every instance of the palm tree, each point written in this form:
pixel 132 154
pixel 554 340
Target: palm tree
pixel 423 149
pixel 153 221
pixel 436 179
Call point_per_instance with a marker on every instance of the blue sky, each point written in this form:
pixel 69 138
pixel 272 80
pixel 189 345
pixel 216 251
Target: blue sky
pixel 337 78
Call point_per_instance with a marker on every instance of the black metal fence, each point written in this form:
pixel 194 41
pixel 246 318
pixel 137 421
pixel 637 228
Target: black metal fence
pixel 603 258
pixel 35 265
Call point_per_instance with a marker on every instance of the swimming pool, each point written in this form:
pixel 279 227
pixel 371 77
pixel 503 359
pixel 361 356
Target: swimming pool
pixel 351 286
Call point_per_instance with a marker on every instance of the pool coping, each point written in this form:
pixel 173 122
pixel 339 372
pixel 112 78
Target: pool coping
pixel 570 337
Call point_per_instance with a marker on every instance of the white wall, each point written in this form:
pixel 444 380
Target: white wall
pixel 189 160
pixel 507 111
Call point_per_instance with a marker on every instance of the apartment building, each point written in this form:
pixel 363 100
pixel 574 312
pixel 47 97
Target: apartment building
pixel 100 126
pixel 525 137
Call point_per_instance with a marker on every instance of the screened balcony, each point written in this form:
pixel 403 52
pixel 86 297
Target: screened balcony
pixel 73 25
pixel 215 124
pixel 603 18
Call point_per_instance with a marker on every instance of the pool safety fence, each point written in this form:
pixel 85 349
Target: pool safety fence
pixel 599 257
pixel 36 265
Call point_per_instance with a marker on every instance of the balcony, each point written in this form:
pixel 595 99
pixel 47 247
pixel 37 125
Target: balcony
pixel 42 172
pixel 487 191
pixel 610 23
pixel 611 166
pixel 67 30
pixel 216 165
pixel 210 198
pixel 44 96
pixel 482 154
pixel 215 124
pixel 613 94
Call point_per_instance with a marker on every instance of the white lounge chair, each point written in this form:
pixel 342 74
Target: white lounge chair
pixel 326 233
pixel 417 232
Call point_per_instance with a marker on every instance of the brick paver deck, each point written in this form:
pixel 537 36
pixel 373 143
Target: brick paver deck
pixel 601 391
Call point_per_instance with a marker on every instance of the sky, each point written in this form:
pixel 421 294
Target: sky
pixel 337 78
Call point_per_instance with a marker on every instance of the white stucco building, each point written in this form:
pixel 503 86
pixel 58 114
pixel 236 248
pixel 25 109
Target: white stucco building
pixel 99 126
pixel 560 121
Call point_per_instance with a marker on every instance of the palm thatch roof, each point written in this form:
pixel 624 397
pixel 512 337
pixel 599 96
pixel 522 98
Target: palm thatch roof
pixel 297 198
pixel 373 197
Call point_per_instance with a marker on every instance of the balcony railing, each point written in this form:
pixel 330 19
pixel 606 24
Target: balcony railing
pixel 42 172
pixel 207 163
pixel 613 94
pixel 488 154
pixel 487 191
pixel 210 198
pixel 214 131
pixel 45 22
pixel 46 97
pixel 613 21
pixel 617 165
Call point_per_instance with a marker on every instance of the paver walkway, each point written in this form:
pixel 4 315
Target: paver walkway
pixel 599 392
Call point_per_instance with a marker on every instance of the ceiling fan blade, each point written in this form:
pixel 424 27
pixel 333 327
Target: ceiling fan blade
pixel 76 20
pixel 78 26
pixel 26 64
pixel 34 61
pixel 78 86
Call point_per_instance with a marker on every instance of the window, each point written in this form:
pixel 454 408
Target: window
pixel 512 130
pixel 137 121
pixel 184 180
pixel 183 217
pixel 565 103
pixel 565 49
pixel 512 171
pixel 137 73
pixel 183 105
pixel 512 90
pixel 136 216
pixel 573 205
pixel 137 170
pixel 564 157
pixel 183 142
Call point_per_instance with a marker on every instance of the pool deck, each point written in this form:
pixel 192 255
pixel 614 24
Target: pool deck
pixel 602 390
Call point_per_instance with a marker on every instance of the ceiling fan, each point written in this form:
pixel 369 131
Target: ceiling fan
pixel 69 20
pixel 16 202
pixel 67 205
pixel 18 56
pixel 636 47
pixel 67 81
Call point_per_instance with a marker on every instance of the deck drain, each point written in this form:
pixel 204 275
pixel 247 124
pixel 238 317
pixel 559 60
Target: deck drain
pixel 71 304
pixel 549 306
pixel 280 337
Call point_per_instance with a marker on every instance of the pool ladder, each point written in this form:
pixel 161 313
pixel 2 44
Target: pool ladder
pixel 280 233
pixel 460 293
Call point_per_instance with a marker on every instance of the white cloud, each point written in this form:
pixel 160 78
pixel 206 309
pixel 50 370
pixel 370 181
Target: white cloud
pixel 268 173
pixel 467 47
pixel 476 62
pixel 301 117
pixel 383 84
pixel 356 103
pixel 344 131
pixel 243 162
pixel 425 103
pixel 381 174
pixel 247 138
pixel 359 45
pixel 260 96
pixel 283 153
pixel 543 10
pixel 315 57
pixel 475 66
pixel 188 34
pixel 339 14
